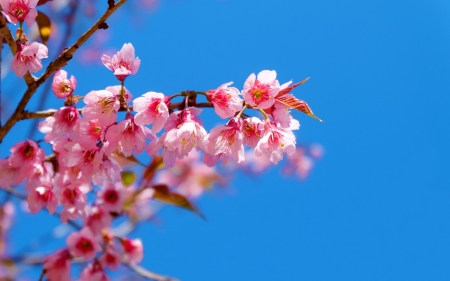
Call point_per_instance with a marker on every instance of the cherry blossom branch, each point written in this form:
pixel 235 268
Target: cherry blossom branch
pixel 50 112
pixel 58 63
pixel 148 274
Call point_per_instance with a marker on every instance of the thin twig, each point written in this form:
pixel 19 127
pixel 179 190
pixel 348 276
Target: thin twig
pixel 58 63
pixel 148 274
pixel 42 275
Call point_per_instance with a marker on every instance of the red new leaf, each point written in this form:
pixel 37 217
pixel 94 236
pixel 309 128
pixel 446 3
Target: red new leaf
pixel 163 194
pixel 290 88
pixel 42 2
pixel 300 105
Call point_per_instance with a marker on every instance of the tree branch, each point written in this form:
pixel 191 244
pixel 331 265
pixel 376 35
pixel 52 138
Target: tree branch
pixel 58 63
pixel 148 274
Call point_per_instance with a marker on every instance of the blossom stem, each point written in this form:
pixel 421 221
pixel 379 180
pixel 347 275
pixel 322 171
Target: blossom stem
pixel 20 31
pixel 122 95
pixel 242 111
pixel 263 113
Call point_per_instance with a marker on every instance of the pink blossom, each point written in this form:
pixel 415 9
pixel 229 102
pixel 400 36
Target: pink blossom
pixel 111 197
pixel 282 115
pixel 87 160
pixel 83 244
pixel 108 170
pixel 133 250
pixel 97 218
pixel 94 272
pixel 275 141
pixel 226 100
pixel 151 108
pixel 26 154
pixel 19 10
pixel 223 142
pixel 10 175
pixel 57 266
pixel 87 133
pixel 260 92
pixel 42 194
pixel 129 136
pixel 299 163
pixel 28 58
pixel 61 86
pixel 116 90
pixel 111 258
pixel 72 197
pixel 123 63
pixel 70 214
pixel 61 124
pixel 252 130
pixel 102 105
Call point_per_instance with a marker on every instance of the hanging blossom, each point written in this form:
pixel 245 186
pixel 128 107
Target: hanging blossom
pixel 260 91
pixel 19 10
pixel 275 141
pixel 123 63
pixel 226 100
pixel 28 58
pixel 61 86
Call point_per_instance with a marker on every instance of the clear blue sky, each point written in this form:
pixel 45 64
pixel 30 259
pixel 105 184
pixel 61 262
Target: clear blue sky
pixel 377 206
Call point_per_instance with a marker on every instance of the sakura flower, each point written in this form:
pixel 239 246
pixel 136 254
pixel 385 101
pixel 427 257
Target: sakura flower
pixel 133 250
pixel 57 266
pixel 111 197
pixel 102 105
pixel 94 272
pixel 128 135
pixel 252 130
pixel 123 63
pixel 97 218
pixel 83 244
pixel 184 132
pixel 226 100
pixel 275 141
pixel 223 142
pixel 87 133
pixel 10 175
pixel 151 108
pixel 260 92
pixel 111 258
pixel 61 86
pixel 42 194
pixel 282 115
pixel 61 124
pixel 26 154
pixel 19 10
pixel 87 160
pixel 28 58
pixel 72 197
pixel 108 170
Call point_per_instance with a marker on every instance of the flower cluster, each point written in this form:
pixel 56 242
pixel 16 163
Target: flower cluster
pixel 89 143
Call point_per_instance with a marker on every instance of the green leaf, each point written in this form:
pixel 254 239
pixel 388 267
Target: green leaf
pixel 45 26
pixel 127 177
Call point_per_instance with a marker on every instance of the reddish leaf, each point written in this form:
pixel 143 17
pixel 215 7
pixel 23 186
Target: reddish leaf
pixel 42 2
pixel 163 194
pixel 150 170
pixel 290 88
pixel 295 103
pixel 45 27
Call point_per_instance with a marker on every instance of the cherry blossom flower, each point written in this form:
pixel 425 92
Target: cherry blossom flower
pixel 61 86
pixel 226 100
pixel 87 133
pixel 57 266
pixel 111 197
pixel 129 136
pixel 223 142
pixel 83 244
pixel 151 108
pixel 87 160
pixel 25 155
pixel 28 58
pixel 102 105
pixel 123 63
pixel 108 170
pixel 260 92
pixel 133 250
pixel 61 124
pixel 282 115
pixel 252 130
pixel 97 218
pixel 94 272
pixel 10 175
pixel 19 10
pixel 275 141
pixel 111 258
pixel 42 194
pixel 72 197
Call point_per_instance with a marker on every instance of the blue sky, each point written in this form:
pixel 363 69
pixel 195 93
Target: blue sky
pixel 376 207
